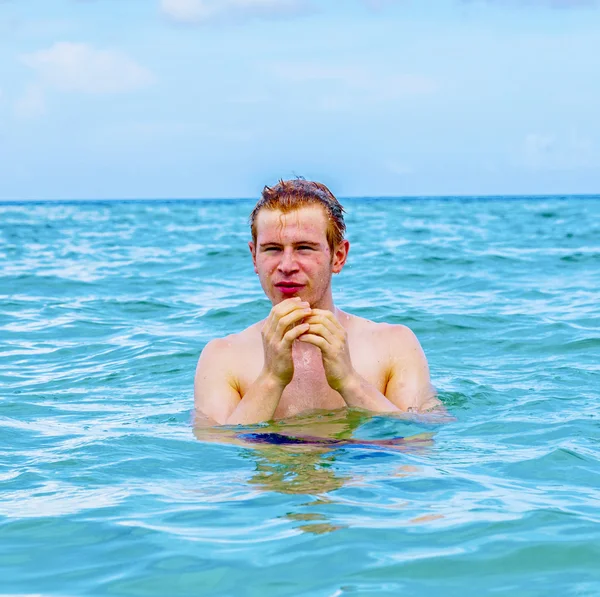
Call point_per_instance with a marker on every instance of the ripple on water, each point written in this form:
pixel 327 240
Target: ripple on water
pixel 108 489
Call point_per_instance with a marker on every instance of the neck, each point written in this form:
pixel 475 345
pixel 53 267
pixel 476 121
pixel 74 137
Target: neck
pixel 326 302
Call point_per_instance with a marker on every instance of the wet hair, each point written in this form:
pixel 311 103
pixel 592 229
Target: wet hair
pixel 288 195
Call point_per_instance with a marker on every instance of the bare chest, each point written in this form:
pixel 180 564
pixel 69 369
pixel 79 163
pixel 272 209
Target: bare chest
pixel 309 389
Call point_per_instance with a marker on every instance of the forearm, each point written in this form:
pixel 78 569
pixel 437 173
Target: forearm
pixel 259 402
pixel 359 393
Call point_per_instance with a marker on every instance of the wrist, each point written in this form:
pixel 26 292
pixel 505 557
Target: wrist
pixel 271 381
pixel 349 385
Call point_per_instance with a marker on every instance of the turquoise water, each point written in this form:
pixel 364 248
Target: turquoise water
pixel 106 488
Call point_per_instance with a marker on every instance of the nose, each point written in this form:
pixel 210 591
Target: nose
pixel 287 263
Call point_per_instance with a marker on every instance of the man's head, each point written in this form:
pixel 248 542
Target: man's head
pixel 289 195
pixel 298 241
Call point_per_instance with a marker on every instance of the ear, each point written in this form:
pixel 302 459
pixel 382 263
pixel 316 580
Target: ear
pixel 253 253
pixel 340 255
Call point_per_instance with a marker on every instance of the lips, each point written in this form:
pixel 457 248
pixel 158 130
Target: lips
pixel 288 287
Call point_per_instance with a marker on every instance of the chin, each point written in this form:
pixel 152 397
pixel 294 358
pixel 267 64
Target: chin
pixel 277 297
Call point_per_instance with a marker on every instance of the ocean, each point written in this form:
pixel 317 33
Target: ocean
pixel 108 488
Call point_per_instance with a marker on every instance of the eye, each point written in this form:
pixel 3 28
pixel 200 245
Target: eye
pixel 306 248
pixel 272 249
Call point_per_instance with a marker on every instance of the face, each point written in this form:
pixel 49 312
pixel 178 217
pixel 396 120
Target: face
pixel 292 257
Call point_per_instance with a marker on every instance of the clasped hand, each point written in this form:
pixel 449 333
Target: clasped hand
pixel 293 319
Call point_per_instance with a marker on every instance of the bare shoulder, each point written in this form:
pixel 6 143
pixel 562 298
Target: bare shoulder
pixel 397 338
pixel 398 348
pixel 214 363
pixel 217 349
pixel 216 383
pixel 410 383
pixel 224 349
pixel 401 338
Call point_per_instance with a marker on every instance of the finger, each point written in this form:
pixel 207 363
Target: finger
pixel 333 326
pixel 288 306
pixel 285 322
pixel 318 329
pixel 315 340
pixel 293 334
pixel 328 316
pixel 281 310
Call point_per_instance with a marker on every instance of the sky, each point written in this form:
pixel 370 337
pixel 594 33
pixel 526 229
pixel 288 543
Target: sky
pixel 119 99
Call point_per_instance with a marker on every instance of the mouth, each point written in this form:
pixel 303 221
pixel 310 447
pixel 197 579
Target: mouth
pixel 289 287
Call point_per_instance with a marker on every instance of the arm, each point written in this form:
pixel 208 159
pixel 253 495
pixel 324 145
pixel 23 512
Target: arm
pixel 216 394
pixel 408 388
pixel 215 387
pixel 357 392
pixel 409 385
pixel 328 334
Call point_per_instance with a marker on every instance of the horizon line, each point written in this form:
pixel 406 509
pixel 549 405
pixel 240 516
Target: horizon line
pixel 249 198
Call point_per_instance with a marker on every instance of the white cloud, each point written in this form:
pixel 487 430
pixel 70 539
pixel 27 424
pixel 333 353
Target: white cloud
pixel 203 11
pixel 32 103
pixel 82 68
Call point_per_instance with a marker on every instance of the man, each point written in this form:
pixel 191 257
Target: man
pixel 307 354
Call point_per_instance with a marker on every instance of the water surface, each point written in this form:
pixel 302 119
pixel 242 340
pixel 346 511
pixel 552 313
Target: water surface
pixel 107 489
